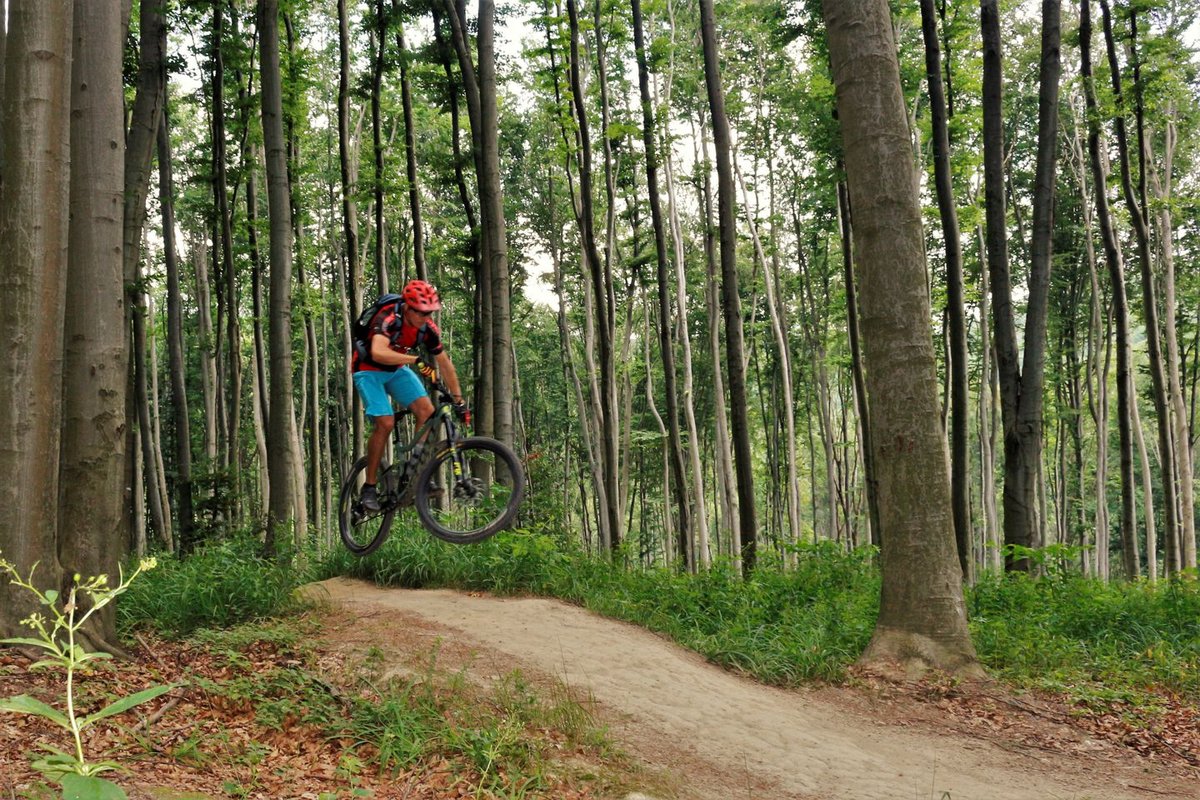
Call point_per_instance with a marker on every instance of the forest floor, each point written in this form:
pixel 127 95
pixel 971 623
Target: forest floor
pixel 680 728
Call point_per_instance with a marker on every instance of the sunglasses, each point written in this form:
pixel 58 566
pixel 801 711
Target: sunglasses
pixel 421 313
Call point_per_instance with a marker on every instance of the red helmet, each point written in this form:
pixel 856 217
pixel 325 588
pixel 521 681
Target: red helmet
pixel 421 296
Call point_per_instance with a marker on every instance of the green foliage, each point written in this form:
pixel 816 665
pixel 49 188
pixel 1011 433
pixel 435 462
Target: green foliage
pixel 56 636
pixel 219 585
pixel 1092 639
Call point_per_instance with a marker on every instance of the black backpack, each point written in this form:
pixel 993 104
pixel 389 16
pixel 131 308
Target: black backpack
pixel 360 328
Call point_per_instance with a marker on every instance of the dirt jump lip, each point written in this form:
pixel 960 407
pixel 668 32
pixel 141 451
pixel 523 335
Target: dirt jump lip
pixel 725 734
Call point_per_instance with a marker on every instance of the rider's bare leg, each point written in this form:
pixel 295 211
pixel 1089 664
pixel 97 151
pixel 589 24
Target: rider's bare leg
pixel 377 443
pixel 422 409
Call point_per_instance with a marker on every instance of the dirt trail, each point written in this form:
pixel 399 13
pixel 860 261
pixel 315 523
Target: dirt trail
pixel 727 737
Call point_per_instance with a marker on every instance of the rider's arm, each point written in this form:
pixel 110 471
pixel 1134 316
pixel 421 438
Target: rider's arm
pixel 446 368
pixel 382 353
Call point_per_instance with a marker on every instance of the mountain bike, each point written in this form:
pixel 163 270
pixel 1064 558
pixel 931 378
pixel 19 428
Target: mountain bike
pixel 465 488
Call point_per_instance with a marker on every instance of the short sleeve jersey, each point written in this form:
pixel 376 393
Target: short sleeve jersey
pixel 402 337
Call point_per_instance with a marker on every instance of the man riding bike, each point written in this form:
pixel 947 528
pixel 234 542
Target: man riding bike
pixel 384 370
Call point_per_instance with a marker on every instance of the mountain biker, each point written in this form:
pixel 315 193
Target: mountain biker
pixel 387 368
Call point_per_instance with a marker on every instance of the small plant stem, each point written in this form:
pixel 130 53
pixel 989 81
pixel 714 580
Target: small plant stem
pixel 71 677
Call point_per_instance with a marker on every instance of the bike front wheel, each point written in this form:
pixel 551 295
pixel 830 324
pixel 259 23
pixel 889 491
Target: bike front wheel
pixel 469 490
pixel 363 531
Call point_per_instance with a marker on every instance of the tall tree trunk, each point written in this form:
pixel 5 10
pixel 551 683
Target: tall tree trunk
pixel 1126 394
pixel 922 617
pixel 92 533
pixel 346 159
pixel 310 386
pixel 230 453
pixel 702 535
pixel 600 290
pixel 956 310
pixel 139 149
pixel 735 349
pixel 34 192
pixel 481 103
pixel 785 368
pixel 379 41
pixel 481 339
pixel 208 366
pixel 724 460
pixel 845 219
pixel 1149 312
pixel 410 158
pixel 1021 384
pixel 664 304
pixel 1179 415
pixel 176 362
pixel 261 410
pixel 287 503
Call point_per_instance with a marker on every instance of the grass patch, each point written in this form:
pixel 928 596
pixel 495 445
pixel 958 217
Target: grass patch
pixel 434 729
pixel 1098 642
pixel 218 586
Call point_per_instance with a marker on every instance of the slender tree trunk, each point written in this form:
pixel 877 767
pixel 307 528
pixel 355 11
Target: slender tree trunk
pixel 748 524
pixel 1126 394
pixel 702 535
pixel 958 368
pixel 922 617
pixel 410 157
pixel 724 460
pixel 1148 512
pixel 987 427
pixel 346 159
pixel 176 363
pixel 600 291
pixel 481 103
pixel 1149 313
pixel 845 220
pixel 230 454
pixel 781 344
pixel 1179 415
pixel 261 411
pixel 139 149
pixel 664 304
pixel 286 503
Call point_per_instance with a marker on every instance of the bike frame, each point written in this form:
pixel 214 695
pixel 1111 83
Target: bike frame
pixel 443 413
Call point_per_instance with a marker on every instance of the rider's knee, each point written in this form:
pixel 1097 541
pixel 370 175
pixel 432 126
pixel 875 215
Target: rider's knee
pixel 385 424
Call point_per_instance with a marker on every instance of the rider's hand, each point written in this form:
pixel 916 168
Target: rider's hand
pixel 463 411
pixel 426 371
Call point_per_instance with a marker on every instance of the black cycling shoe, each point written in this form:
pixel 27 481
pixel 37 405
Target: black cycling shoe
pixel 369 498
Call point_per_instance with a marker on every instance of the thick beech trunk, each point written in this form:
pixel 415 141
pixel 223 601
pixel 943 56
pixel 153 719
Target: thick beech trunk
pixel 922 617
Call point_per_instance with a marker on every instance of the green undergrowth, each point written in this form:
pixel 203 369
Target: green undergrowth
pixel 1101 643
pixel 219 585
pixel 430 723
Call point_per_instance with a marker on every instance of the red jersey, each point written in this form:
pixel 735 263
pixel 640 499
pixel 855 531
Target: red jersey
pixel 402 337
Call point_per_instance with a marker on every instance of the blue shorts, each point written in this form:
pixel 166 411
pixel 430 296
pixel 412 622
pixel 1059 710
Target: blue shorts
pixel 374 387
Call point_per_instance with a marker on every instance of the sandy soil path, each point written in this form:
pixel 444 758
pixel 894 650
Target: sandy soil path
pixel 728 737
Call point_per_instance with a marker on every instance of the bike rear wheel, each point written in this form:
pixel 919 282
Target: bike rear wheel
pixel 363 531
pixel 469 490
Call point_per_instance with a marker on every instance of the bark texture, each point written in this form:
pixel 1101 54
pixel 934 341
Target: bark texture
pixel 922 619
